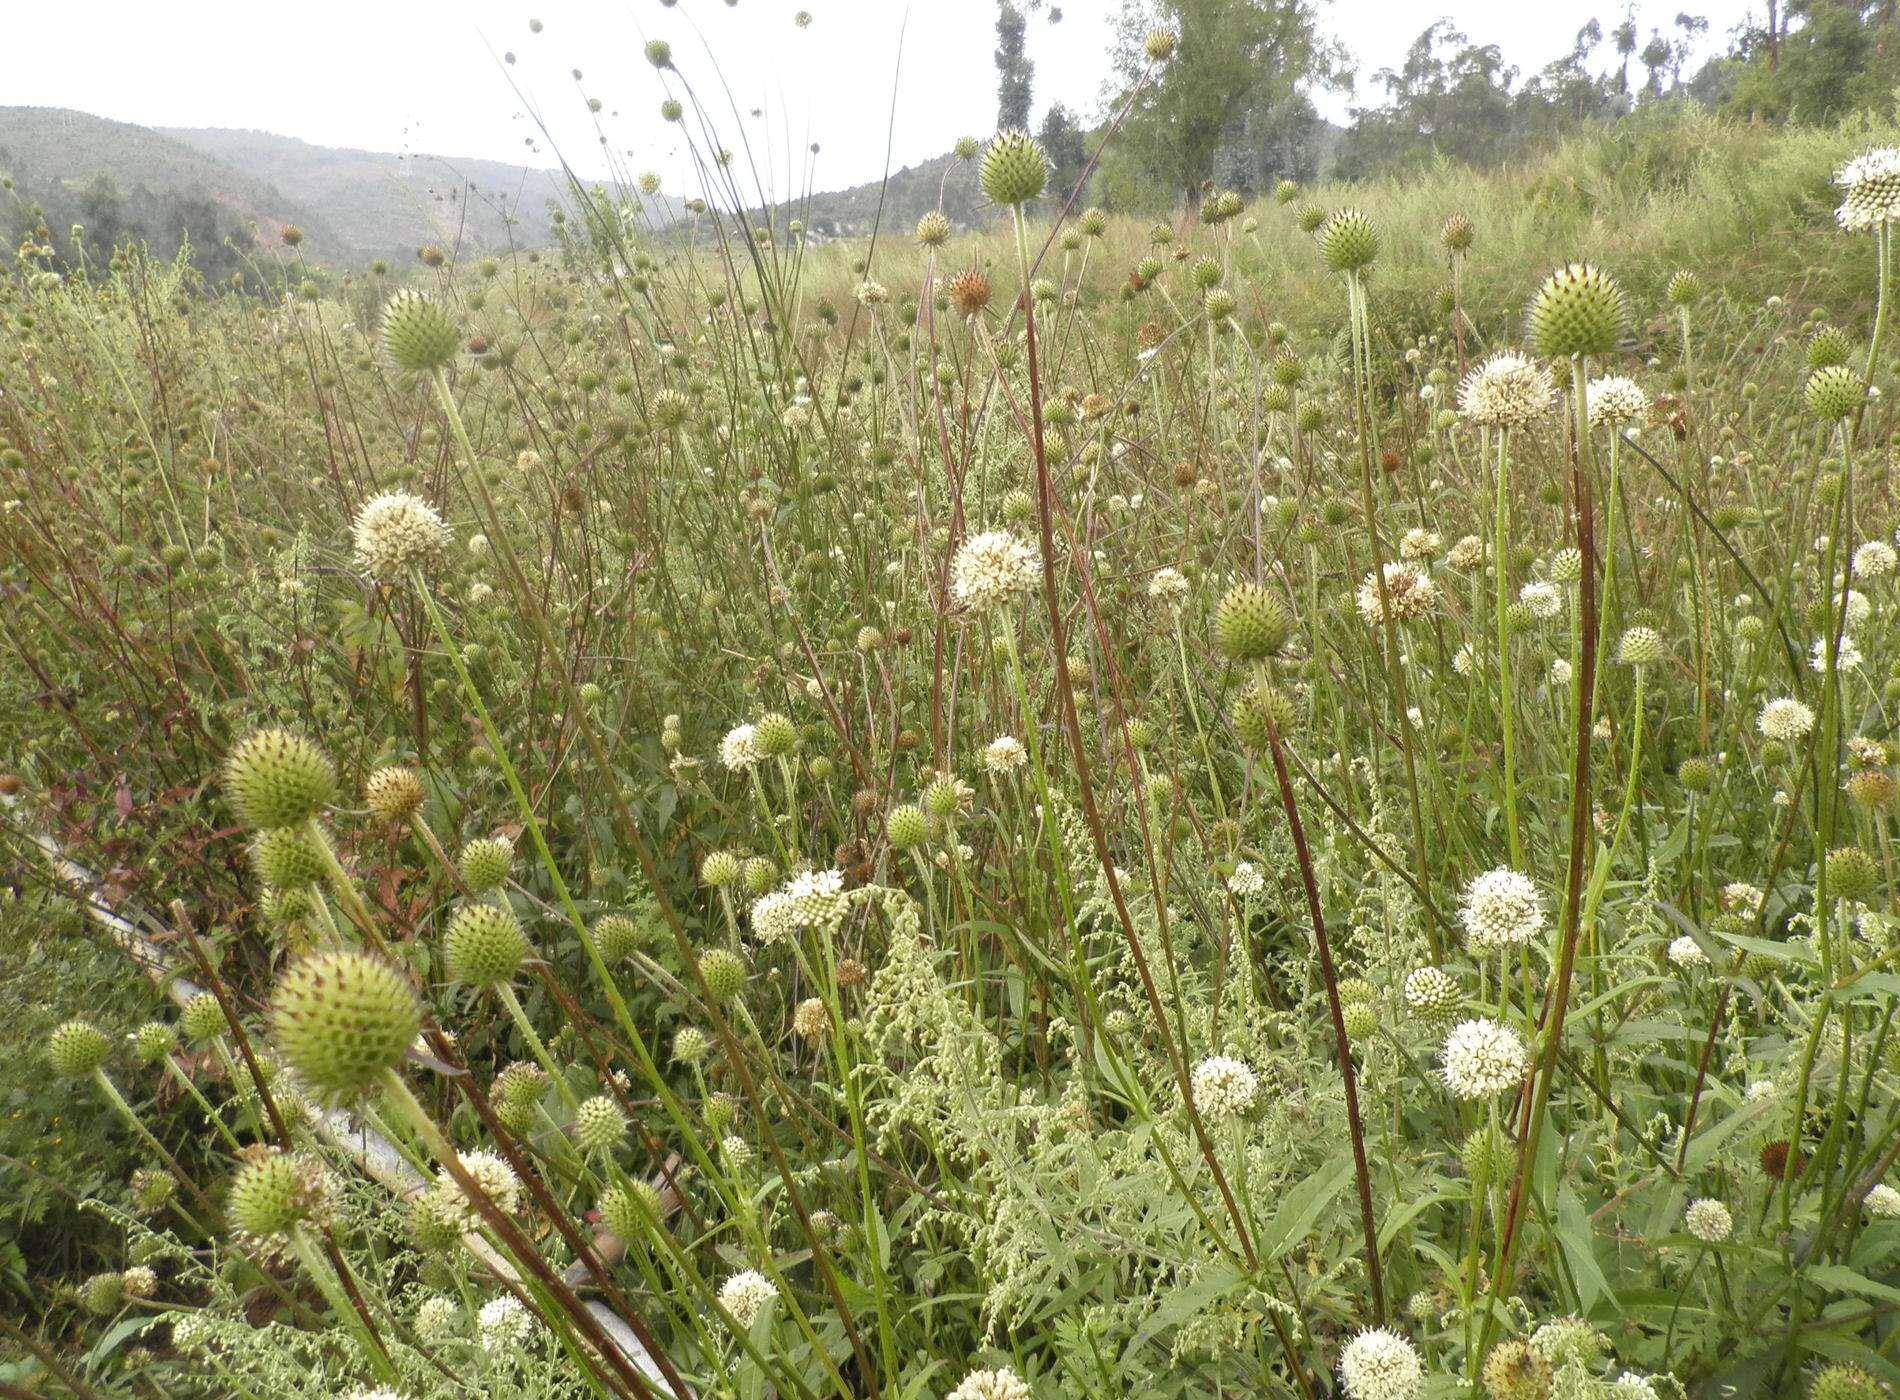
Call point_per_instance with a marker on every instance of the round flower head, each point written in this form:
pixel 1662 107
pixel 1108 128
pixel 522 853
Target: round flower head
pixel 1458 234
pixel 1250 623
pixel 1159 45
pixel 991 568
pixel 1640 646
pixel 484 863
pixel 740 749
pixel 393 793
pixel 286 858
pixel 1409 593
pixel 76 1049
pixel 152 1042
pixel 815 898
pixel 1000 1384
pixel 1501 910
pixel 1685 286
pixel 395 533
pixel 418 335
pixel 202 1019
pixel 1577 311
pixel 1223 1087
pixel 1542 598
pixel 1379 1364
pixel 1348 241
pixel 1506 391
pixel 1247 879
pixel 617 937
pixel 1014 169
pixel 1784 720
pixel 1708 1220
pixel 626 1210
pixel 1834 393
pixel 724 973
pixel 1430 992
pixel 1615 401
pixel 746 1295
pixel 493 1178
pixel 342 1019
pixel 277 778
pixel 811 1021
pixel 1846 1381
pixel 1685 952
pixel 933 229
pixel 504 1324
pixel 484 946
pixel 1883 1202
pixel 1004 754
pixel 1875 559
pixel 1870 190
pixel 275 1192
pixel 1482 1058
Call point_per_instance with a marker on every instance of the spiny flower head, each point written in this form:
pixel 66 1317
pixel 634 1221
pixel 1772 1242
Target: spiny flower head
pixel 1640 646
pixel 1159 45
pixel 1501 910
pixel 1250 624
pixel 484 863
pixel 1578 310
pixel 1508 390
pixel 1223 1087
pixel 933 229
pixel 484 946
pixel 275 1192
pixel 1430 992
pixel 1348 241
pixel 746 1295
pixel 1834 393
pixel 1784 720
pixel 1615 401
pixel 395 533
pixel 991 568
pixel 1409 593
pixel 1014 169
pixel 393 793
pixel 1379 1364
pixel 1457 234
pixel 1708 1220
pixel 341 1019
pixel 1482 1058
pixel 418 334
pixel 599 1125
pixel 76 1049
pixel 275 777
pixel 1870 189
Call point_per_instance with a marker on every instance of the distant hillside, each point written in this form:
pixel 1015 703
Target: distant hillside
pixel 388 205
pixel 118 179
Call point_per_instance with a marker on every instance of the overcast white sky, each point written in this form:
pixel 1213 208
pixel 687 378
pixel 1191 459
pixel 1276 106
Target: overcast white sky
pixel 425 75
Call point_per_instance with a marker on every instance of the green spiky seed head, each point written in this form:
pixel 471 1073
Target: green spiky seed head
pixel 485 863
pixel 1483 1157
pixel 599 1125
pixel 1094 222
pixel 1851 873
pixel 203 1019
pixel 1685 288
pixel 719 869
pixel 1159 45
pixel 1288 369
pixel 1286 192
pixel 1458 234
pixel 659 53
pixel 1218 303
pixel 102 1295
pixel 1570 1341
pixel 691 1046
pixel 152 1042
pixel 720 1110
pixel 287 858
pixel 76 1049
pixel 759 874
pixel 1014 169
pixel 628 1210
pixel 966 148
pixel 1205 273
pixel 723 972
pixel 616 936
pixel 1356 990
pixel 1259 705
pixel 393 793
pixel 418 334
pixel 1827 348
pixel 485 945
pixel 775 734
pixel 275 777
pixel 1640 646
pixel 1362 1021
pixel 275 1192
pixel 1696 774
pixel 1578 311
pixel 1250 624
pixel 1276 398
pixel 907 827
pixel 1348 241
pixel 435 1223
pixel 933 229
pixel 1846 1381
pixel 1872 788
pixel 1310 416
pixel 1834 393
pixel 341 1020
pixel 153 1189
pixel 1431 993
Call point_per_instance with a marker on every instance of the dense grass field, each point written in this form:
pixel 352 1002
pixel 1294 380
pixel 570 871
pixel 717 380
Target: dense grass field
pixel 1294 801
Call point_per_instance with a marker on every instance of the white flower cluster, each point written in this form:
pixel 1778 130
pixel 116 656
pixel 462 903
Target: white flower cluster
pixel 740 750
pixel 1379 1364
pixel 992 568
pixel 1000 1384
pixel 1169 586
pixel 1785 720
pixel 1409 593
pixel 1615 401
pixel 1004 754
pixel 1482 1058
pixel 1223 1087
pixel 1870 188
pixel 1501 910
pixel 1506 391
pixel 746 1295
pixel 396 532
pixel 1708 1220
pixel 495 1178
